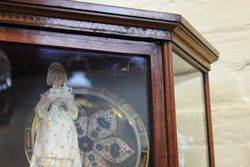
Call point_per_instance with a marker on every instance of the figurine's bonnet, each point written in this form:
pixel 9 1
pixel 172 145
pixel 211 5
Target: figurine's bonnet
pixel 55 67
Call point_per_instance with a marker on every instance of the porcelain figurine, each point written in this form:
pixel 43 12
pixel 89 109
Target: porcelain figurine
pixel 54 132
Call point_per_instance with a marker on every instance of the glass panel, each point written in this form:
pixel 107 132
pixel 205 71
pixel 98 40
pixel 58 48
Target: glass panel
pixel 190 114
pixel 98 117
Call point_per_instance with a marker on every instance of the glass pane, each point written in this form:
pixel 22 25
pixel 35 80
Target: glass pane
pixel 96 112
pixel 190 114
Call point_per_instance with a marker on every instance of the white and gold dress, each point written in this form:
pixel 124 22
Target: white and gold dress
pixel 56 141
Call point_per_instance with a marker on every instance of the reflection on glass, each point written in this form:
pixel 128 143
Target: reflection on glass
pixel 5 83
pixel 109 130
pixel 110 92
pixel 5 71
pixel 190 114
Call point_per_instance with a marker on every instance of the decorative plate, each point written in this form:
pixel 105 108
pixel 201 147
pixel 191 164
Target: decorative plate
pixel 110 132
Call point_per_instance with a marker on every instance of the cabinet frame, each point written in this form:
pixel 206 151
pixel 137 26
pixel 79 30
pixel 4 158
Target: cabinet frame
pixel 105 28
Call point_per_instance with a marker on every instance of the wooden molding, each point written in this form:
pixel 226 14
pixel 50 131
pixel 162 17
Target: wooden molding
pixel 109 20
pixel 68 24
pixel 195 46
pixel 171 128
pixel 84 26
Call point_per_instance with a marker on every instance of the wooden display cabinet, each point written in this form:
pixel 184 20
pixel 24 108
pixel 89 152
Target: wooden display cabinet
pixel 156 62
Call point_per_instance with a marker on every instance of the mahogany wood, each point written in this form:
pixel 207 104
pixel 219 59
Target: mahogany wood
pixel 184 34
pixel 159 149
pixel 208 116
pixel 186 56
pixel 151 50
pixel 31 8
pixel 105 28
pixel 170 105
pixel 34 37
pixel 87 27
pixel 209 120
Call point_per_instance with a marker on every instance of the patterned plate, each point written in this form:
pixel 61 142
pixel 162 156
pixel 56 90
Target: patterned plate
pixel 110 133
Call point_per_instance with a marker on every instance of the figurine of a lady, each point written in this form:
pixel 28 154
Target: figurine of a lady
pixel 56 142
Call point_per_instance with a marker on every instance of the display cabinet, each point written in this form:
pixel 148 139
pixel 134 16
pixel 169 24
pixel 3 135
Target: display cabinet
pixel 137 79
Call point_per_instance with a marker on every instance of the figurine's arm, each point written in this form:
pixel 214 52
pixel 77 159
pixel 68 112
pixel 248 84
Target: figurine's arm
pixel 42 106
pixel 72 109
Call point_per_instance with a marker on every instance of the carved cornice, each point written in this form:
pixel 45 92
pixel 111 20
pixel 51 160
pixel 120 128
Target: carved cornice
pixel 84 26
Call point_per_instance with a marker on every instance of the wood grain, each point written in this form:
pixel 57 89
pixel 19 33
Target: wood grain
pixel 83 26
pixel 209 120
pixel 150 50
pixel 171 128
pixel 114 15
pixel 159 149
pixel 45 38
pixel 102 28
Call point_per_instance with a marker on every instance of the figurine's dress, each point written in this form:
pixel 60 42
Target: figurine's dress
pixel 56 141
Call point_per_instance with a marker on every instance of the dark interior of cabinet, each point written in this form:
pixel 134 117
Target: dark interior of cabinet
pixel 116 73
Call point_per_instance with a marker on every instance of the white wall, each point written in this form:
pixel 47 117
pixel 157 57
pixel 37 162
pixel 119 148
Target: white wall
pixel 226 24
